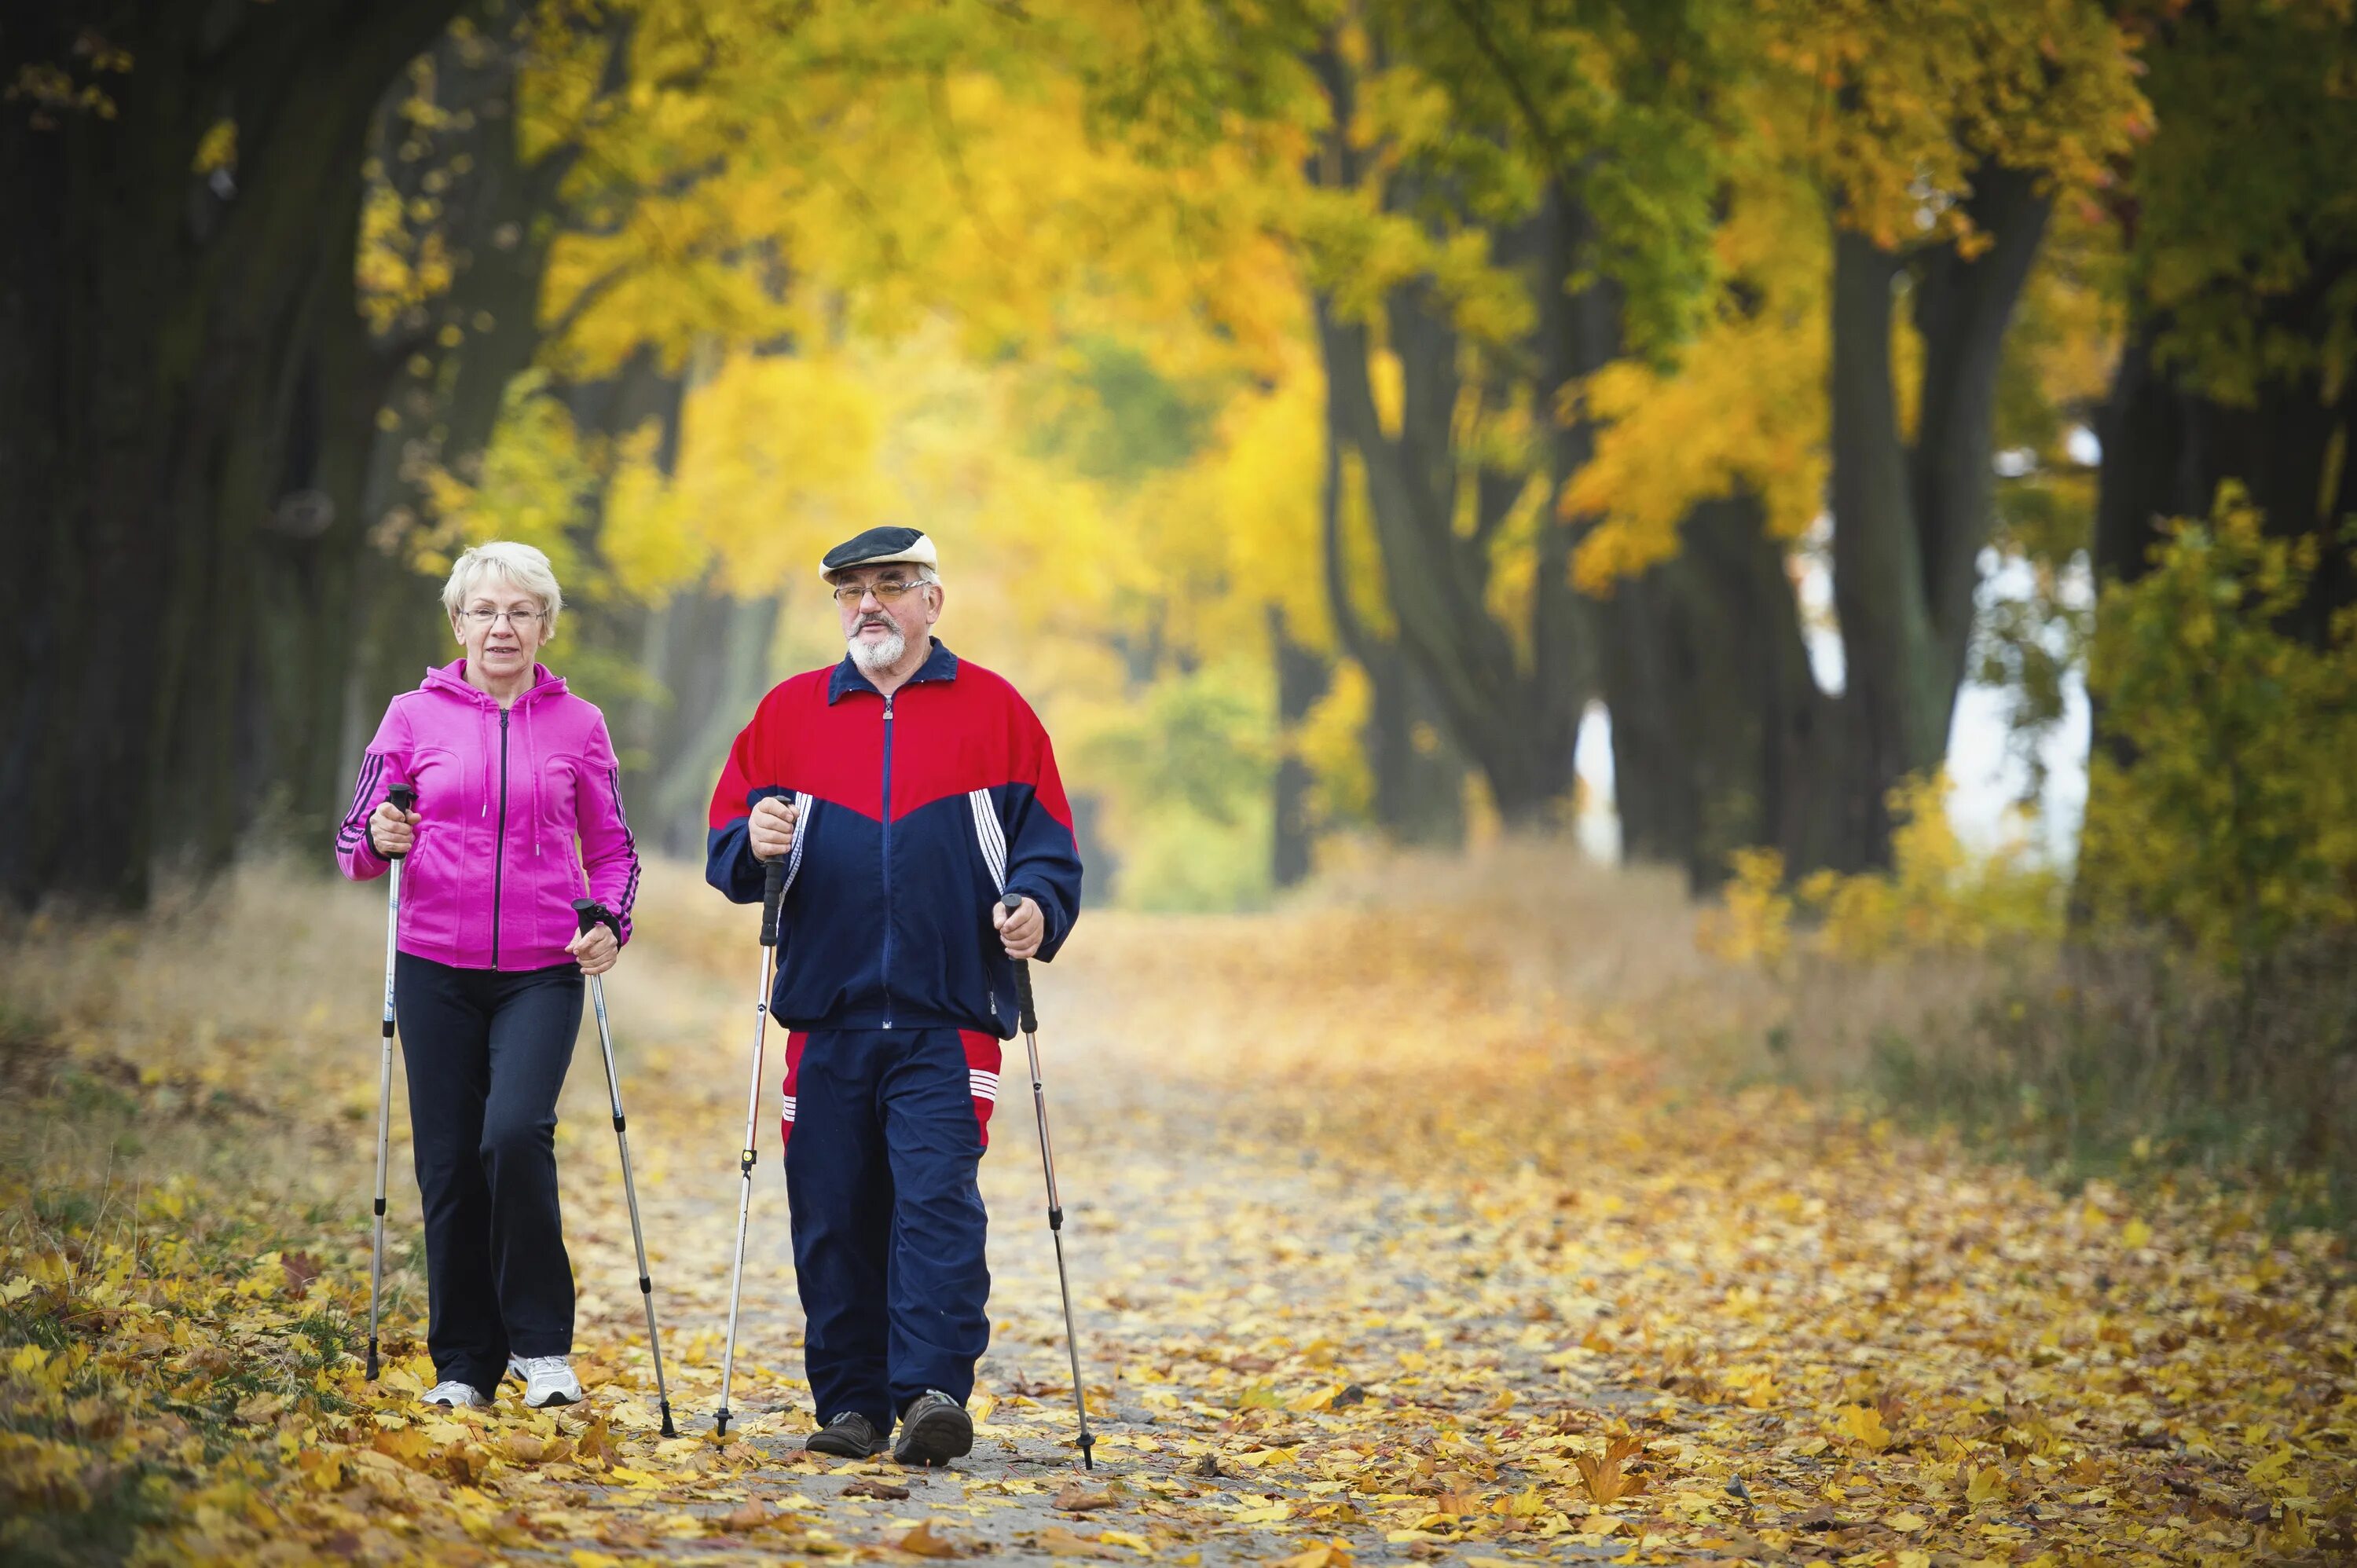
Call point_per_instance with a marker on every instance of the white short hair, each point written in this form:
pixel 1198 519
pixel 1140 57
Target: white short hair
pixel 523 566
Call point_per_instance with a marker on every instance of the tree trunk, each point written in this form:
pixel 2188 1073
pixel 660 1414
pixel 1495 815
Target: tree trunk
pixel 1302 677
pixel 1419 780
pixel 150 325
pixel 1910 523
pixel 1512 703
pixel 1721 737
pixel 2167 449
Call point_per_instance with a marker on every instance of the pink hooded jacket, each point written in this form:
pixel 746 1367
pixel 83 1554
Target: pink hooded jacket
pixel 492 876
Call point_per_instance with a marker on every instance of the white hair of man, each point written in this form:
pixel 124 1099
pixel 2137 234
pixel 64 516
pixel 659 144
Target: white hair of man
pixel 525 569
pixel 872 658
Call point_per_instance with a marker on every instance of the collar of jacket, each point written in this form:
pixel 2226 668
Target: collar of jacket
pixel 941 664
pixel 452 679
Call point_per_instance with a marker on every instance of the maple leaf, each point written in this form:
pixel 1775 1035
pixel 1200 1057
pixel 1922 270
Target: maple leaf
pixel 871 1487
pixel 1058 1542
pixel 750 1516
pixel 1985 1486
pixel 301 1269
pixel 1607 1477
pixel 1323 1555
pixel 923 1543
pixel 595 1445
pixel 1863 1425
pixel 1077 1497
pixel 261 1407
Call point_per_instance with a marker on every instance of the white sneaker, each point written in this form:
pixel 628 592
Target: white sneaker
pixel 546 1381
pixel 457 1395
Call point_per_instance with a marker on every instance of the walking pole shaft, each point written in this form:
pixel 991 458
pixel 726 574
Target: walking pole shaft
pixel 402 798
pixel 589 913
pixel 772 891
pixel 1030 1019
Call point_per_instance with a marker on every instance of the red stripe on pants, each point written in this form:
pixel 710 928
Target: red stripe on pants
pixel 982 1053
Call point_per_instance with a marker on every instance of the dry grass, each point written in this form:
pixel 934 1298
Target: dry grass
pixel 2122 1061
pixel 241 1011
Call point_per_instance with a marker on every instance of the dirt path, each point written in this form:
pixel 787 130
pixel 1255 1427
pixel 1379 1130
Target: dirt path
pixel 1389 1243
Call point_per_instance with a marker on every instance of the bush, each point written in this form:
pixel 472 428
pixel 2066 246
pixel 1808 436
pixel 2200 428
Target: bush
pixel 2225 814
pixel 1938 898
pixel 2203 1010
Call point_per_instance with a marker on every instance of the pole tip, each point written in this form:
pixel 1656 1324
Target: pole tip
pixel 371 1361
pixel 720 1424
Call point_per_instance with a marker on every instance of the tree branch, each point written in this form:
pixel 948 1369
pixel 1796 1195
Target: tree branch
pixel 1559 166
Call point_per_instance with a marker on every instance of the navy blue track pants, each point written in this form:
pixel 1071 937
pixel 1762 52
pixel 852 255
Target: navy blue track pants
pixel 885 1130
pixel 485 1052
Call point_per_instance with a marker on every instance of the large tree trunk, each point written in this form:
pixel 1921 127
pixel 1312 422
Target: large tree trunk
pixel 446 365
pixel 1513 702
pixel 1419 775
pixel 152 325
pixel 312 556
pixel 1910 523
pixel 1302 676
pixel 2167 449
pixel 1721 737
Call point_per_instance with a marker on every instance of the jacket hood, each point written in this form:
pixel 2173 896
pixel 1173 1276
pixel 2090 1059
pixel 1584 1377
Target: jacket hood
pixel 451 678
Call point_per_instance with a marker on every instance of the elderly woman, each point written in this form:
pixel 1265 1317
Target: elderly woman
pixel 510 770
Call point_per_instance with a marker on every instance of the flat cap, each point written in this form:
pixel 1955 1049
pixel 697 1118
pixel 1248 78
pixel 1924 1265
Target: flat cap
pixel 880 547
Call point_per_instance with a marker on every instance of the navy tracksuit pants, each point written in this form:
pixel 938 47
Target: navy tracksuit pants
pixel 485 1052
pixel 885 1130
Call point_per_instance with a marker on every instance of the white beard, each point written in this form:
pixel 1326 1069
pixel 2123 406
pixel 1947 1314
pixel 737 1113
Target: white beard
pixel 877 657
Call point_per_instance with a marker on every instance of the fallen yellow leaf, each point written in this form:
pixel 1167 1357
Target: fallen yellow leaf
pixel 923 1543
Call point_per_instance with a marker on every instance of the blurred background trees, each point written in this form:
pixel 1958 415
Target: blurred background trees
pixel 1338 413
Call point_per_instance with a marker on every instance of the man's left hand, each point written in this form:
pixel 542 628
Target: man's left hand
pixel 1023 930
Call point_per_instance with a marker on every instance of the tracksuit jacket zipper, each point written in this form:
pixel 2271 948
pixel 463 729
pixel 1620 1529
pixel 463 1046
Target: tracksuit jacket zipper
pixel 500 844
pixel 888 861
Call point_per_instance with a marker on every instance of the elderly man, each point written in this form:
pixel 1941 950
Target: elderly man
pixel 907 792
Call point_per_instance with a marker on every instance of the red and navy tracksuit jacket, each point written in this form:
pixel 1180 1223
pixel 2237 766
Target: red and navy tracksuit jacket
pixel 917 812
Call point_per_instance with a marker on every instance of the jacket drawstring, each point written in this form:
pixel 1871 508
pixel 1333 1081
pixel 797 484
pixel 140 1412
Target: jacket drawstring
pixel 531 762
pixel 483 726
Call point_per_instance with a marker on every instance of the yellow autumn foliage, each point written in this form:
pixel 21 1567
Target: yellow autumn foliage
pixel 2233 825
pixel 1938 895
pixel 1743 408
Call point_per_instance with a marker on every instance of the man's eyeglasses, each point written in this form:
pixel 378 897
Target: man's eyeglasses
pixel 886 590
pixel 518 619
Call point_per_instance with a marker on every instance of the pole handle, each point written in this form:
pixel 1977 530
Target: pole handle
pixel 1011 903
pixel 589 912
pixel 405 799
pixel 773 892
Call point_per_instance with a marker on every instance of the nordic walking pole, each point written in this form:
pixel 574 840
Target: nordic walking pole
pixel 589 912
pixel 773 886
pixel 1013 902
pixel 403 797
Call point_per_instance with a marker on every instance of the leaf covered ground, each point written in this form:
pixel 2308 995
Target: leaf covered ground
pixel 1402 1230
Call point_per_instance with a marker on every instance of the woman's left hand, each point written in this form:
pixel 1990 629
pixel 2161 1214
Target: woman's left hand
pixel 597 950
